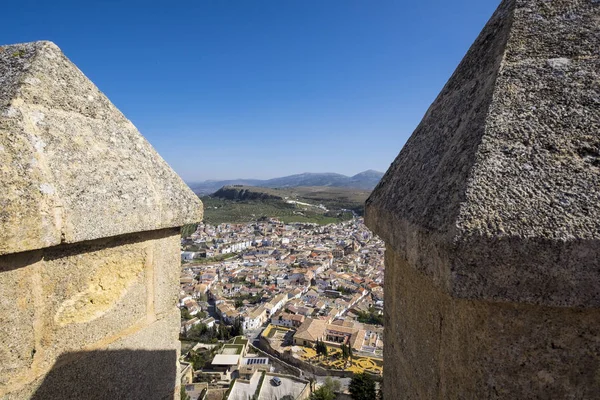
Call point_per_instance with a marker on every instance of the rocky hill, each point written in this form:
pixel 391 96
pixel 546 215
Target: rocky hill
pixel 239 203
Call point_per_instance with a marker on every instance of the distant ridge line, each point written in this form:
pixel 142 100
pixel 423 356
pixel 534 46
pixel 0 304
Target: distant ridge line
pixel 366 180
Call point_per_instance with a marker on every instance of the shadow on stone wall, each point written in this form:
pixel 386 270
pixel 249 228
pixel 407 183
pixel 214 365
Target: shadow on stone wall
pixel 111 375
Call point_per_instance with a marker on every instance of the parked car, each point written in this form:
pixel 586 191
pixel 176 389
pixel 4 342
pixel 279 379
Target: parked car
pixel 275 381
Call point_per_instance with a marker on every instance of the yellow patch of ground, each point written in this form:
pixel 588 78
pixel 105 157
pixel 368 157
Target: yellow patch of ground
pixel 356 365
pixel 272 330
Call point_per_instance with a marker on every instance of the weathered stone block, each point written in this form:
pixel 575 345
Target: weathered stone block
pixel 491 218
pixel 495 195
pixel 74 167
pixel 92 291
pixel 89 245
pixel 17 314
pixel 160 340
pixel 106 375
pixel 24 392
pixel 162 334
pixel 143 365
pixel 441 347
pixel 167 267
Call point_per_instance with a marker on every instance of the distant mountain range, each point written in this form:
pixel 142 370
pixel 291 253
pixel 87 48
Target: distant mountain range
pixel 366 180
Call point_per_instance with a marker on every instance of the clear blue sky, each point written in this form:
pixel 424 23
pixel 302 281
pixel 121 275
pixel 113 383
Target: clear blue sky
pixel 262 88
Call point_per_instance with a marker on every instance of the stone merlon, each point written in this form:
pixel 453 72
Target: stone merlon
pixel 72 167
pixel 89 240
pixel 496 195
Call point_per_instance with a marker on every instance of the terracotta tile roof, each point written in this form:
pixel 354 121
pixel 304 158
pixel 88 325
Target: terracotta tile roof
pixel 311 329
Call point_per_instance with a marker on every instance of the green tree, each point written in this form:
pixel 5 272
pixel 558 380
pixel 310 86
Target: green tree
pixel 203 333
pixel 224 333
pixel 198 359
pixel 332 384
pixel 182 394
pixel 185 314
pixel 345 352
pixel 327 390
pixel 362 387
pixel 373 316
pixel 322 393
pixel 237 329
pixel 319 347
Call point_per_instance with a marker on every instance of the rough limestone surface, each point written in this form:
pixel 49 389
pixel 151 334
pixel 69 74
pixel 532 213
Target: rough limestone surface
pixel 89 240
pixel 139 367
pixel 166 278
pixel 116 293
pixel 496 195
pixel 72 167
pixel 17 311
pixel 438 347
pixel 491 217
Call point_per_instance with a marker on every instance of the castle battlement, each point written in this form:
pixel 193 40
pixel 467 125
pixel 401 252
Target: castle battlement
pixel 491 218
pixel 89 240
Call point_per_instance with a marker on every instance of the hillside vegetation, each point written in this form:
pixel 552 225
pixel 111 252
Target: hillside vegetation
pixel 322 205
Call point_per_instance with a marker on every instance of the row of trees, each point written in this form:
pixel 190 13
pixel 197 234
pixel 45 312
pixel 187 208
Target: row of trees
pixel 239 300
pixel 185 314
pixel 346 352
pixel 237 329
pixel 202 333
pixel 321 348
pixel 373 317
pixel 344 290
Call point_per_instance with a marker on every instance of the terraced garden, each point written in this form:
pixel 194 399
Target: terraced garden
pixel 334 361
